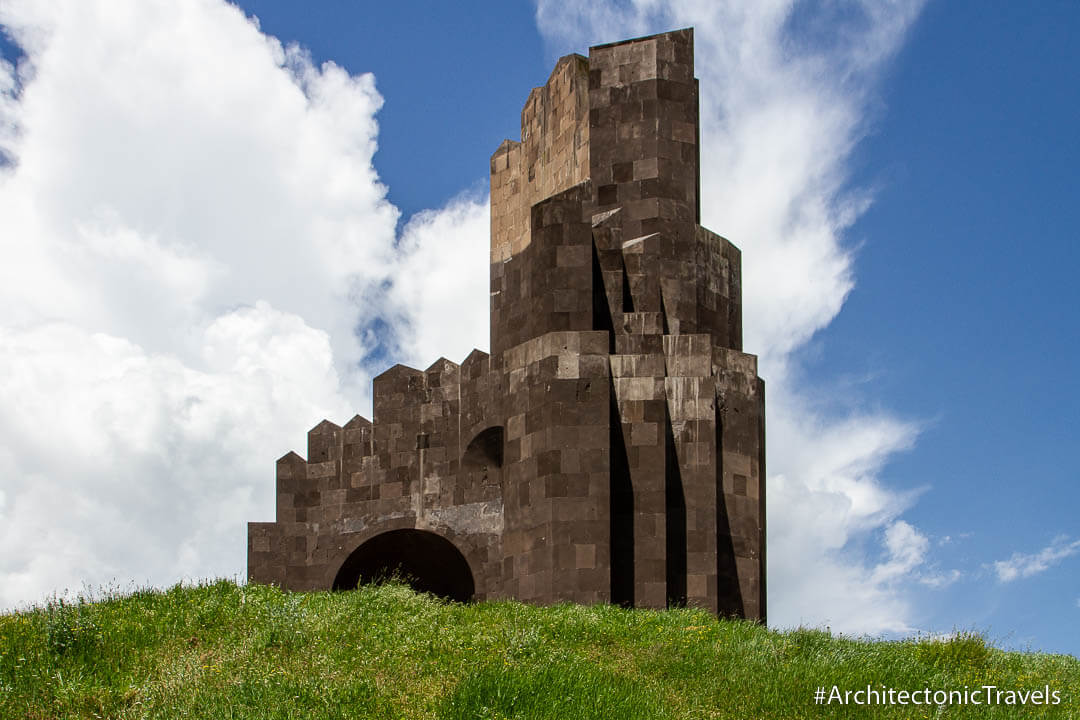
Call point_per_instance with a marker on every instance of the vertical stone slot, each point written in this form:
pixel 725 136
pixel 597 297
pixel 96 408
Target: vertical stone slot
pixel 728 593
pixel 622 511
pixel 664 329
pixel 697 153
pixel 675 519
pixel 601 311
pixel 762 609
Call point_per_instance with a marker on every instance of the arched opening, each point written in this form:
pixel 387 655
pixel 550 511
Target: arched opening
pixel 485 450
pixel 426 561
pixel 479 478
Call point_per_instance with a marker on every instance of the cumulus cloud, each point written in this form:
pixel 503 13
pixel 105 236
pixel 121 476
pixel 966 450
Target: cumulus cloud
pixel 175 155
pixel 785 97
pixel 129 465
pixel 198 252
pixel 441 287
pixel 1022 565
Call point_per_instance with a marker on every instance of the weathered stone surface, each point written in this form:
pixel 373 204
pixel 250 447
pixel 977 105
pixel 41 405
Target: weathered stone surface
pixel 611 446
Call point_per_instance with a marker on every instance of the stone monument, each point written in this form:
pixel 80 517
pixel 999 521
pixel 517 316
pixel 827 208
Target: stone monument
pixel 611 447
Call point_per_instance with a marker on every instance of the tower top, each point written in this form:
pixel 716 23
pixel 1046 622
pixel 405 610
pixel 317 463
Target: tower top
pixel 626 118
pixel 614 135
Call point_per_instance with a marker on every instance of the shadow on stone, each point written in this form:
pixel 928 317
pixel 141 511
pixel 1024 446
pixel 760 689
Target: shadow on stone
pixel 675 519
pixel 728 594
pixel 622 512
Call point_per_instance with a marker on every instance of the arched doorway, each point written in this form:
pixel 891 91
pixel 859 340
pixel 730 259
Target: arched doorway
pixel 428 562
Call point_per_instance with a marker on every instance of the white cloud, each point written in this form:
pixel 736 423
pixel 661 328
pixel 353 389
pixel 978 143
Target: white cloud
pixel 1021 565
pixel 195 241
pixel 176 155
pixel 781 110
pixel 122 464
pixel 938 579
pixel 906 548
pixel 441 287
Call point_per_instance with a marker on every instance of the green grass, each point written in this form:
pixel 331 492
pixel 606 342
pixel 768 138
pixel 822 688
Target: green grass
pixel 223 651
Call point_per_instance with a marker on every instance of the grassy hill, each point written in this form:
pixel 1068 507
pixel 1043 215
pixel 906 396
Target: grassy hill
pixel 223 651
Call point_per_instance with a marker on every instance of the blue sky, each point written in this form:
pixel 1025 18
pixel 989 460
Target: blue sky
pixel 901 180
pixel 965 311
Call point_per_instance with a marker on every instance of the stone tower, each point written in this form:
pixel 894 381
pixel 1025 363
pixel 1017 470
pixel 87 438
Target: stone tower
pixel 611 448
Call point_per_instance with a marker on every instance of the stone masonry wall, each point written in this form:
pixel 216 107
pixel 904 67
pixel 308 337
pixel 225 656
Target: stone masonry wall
pixel 553 155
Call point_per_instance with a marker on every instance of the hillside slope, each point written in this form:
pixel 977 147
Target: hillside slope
pixel 228 651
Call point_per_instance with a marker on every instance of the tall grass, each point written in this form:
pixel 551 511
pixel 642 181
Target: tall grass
pixel 226 651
